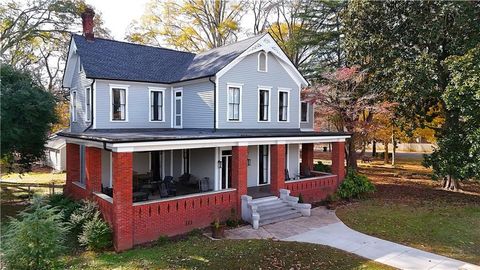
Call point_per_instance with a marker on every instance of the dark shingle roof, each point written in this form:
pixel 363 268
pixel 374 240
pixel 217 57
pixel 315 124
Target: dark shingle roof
pixel 116 60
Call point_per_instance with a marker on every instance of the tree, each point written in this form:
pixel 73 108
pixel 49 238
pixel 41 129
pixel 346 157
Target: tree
pixel 342 96
pixel 189 25
pixel 28 112
pixel 385 128
pixel 457 156
pixel 34 240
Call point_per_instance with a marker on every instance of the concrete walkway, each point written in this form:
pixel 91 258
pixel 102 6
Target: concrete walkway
pixel 324 228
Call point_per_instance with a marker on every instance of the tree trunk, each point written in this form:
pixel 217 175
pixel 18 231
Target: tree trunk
pixel 374 148
pixel 451 184
pixel 352 155
pixel 394 143
pixel 385 157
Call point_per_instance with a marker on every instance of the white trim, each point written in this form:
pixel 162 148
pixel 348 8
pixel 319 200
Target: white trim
pixel 240 87
pixel 156 89
pixel 217 174
pixel 73 105
pixel 185 196
pixel 118 86
pixel 216 102
pixel 88 93
pixel 266 61
pixel 269 172
pixel 178 90
pixel 269 113
pixel 172 113
pixel 94 102
pixel 289 97
pixel 229 181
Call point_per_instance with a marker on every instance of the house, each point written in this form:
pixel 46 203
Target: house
pixel 55 153
pixel 167 141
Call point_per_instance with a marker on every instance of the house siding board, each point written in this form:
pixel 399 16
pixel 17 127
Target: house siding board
pixel 245 72
pixel 79 83
pixel 198 105
pixel 138 104
pixel 309 124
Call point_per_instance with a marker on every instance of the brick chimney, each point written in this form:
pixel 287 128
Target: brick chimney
pixel 87 22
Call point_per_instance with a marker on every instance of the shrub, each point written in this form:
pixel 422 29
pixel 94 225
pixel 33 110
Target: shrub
pixel 81 215
pixel 162 240
pixel 35 239
pixel 96 234
pixel 232 221
pixel 354 185
pixel 320 167
pixel 64 205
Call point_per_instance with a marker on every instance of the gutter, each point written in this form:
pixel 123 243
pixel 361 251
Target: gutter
pixel 91 105
pixel 214 104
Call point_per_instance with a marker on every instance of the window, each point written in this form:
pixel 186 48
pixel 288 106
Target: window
pixel 234 103
pixel 304 112
pixel 262 61
pixel 156 105
pixel 74 106
pixel 88 103
pixel 119 103
pixel 263 105
pixel 283 105
pixel 178 108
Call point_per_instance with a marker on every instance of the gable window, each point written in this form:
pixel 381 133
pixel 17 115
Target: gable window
pixel 263 105
pixel 88 103
pixel 119 103
pixel 156 105
pixel 234 103
pixel 262 61
pixel 74 106
pixel 304 112
pixel 283 105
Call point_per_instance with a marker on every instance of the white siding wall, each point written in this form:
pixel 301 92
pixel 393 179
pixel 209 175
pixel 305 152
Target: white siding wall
pixel 198 105
pixel 79 83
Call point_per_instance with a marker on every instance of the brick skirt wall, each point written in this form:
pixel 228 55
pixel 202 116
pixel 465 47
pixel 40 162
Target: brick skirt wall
pixel 105 206
pixel 178 216
pixel 76 192
pixel 313 189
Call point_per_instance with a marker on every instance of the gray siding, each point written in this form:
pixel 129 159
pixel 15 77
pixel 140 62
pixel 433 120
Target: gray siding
pixel 245 72
pixel 310 119
pixel 138 106
pixel 79 83
pixel 198 105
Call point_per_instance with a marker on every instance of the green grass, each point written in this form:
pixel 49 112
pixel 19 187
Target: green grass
pixel 198 252
pixel 35 177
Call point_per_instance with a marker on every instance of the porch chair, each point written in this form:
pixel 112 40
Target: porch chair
pixel 163 190
pixel 204 184
pixel 170 185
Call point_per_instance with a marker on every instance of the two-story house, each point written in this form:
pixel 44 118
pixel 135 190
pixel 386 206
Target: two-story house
pixel 167 141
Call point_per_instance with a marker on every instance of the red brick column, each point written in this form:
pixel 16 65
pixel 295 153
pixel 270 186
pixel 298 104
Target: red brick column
pixel 338 160
pixel 93 162
pixel 239 173
pixel 307 156
pixel 122 200
pixel 277 168
pixel 73 166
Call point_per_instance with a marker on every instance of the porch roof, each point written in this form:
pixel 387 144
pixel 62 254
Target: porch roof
pixel 156 135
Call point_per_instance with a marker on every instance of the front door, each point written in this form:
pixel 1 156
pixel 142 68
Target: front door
pixel 263 165
pixel 226 170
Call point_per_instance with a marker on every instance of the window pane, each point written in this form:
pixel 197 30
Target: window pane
pixel 178 120
pixel 178 106
pixel 262 61
pixel 304 111
pixel 118 106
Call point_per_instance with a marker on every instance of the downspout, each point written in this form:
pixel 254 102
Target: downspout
pixel 91 106
pixel 214 104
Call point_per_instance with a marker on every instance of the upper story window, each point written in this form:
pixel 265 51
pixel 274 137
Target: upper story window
pixel 156 105
pixel 234 105
pixel 178 108
pixel 263 105
pixel 262 61
pixel 304 112
pixel 283 99
pixel 118 97
pixel 74 106
pixel 88 103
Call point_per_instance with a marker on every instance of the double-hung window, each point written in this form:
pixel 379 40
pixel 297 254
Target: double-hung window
pixel 156 105
pixel 88 103
pixel 263 105
pixel 283 100
pixel 73 111
pixel 119 104
pixel 304 112
pixel 234 103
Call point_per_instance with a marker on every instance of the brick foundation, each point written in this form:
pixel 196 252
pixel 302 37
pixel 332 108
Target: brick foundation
pixel 313 189
pixel 239 173
pixel 277 168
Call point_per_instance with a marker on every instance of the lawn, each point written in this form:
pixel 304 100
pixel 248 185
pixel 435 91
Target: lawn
pixel 198 252
pixel 409 208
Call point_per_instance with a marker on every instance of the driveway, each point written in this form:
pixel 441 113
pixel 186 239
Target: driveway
pixel 323 227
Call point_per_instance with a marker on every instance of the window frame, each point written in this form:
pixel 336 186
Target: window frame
pixel 240 104
pixel 301 120
pixel 283 90
pixel 73 105
pixel 269 113
pixel 266 61
pixel 150 105
pixel 88 107
pixel 174 108
pixel 119 86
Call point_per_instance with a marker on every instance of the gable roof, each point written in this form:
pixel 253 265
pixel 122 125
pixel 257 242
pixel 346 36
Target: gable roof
pixel 117 60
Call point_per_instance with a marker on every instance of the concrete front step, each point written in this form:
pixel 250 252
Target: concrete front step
pixel 272 210
pixel 280 218
pixel 276 209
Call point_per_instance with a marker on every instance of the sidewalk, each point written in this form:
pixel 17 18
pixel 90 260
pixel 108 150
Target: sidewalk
pixel 324 228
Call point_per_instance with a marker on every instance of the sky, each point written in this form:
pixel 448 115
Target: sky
pixel 118 14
